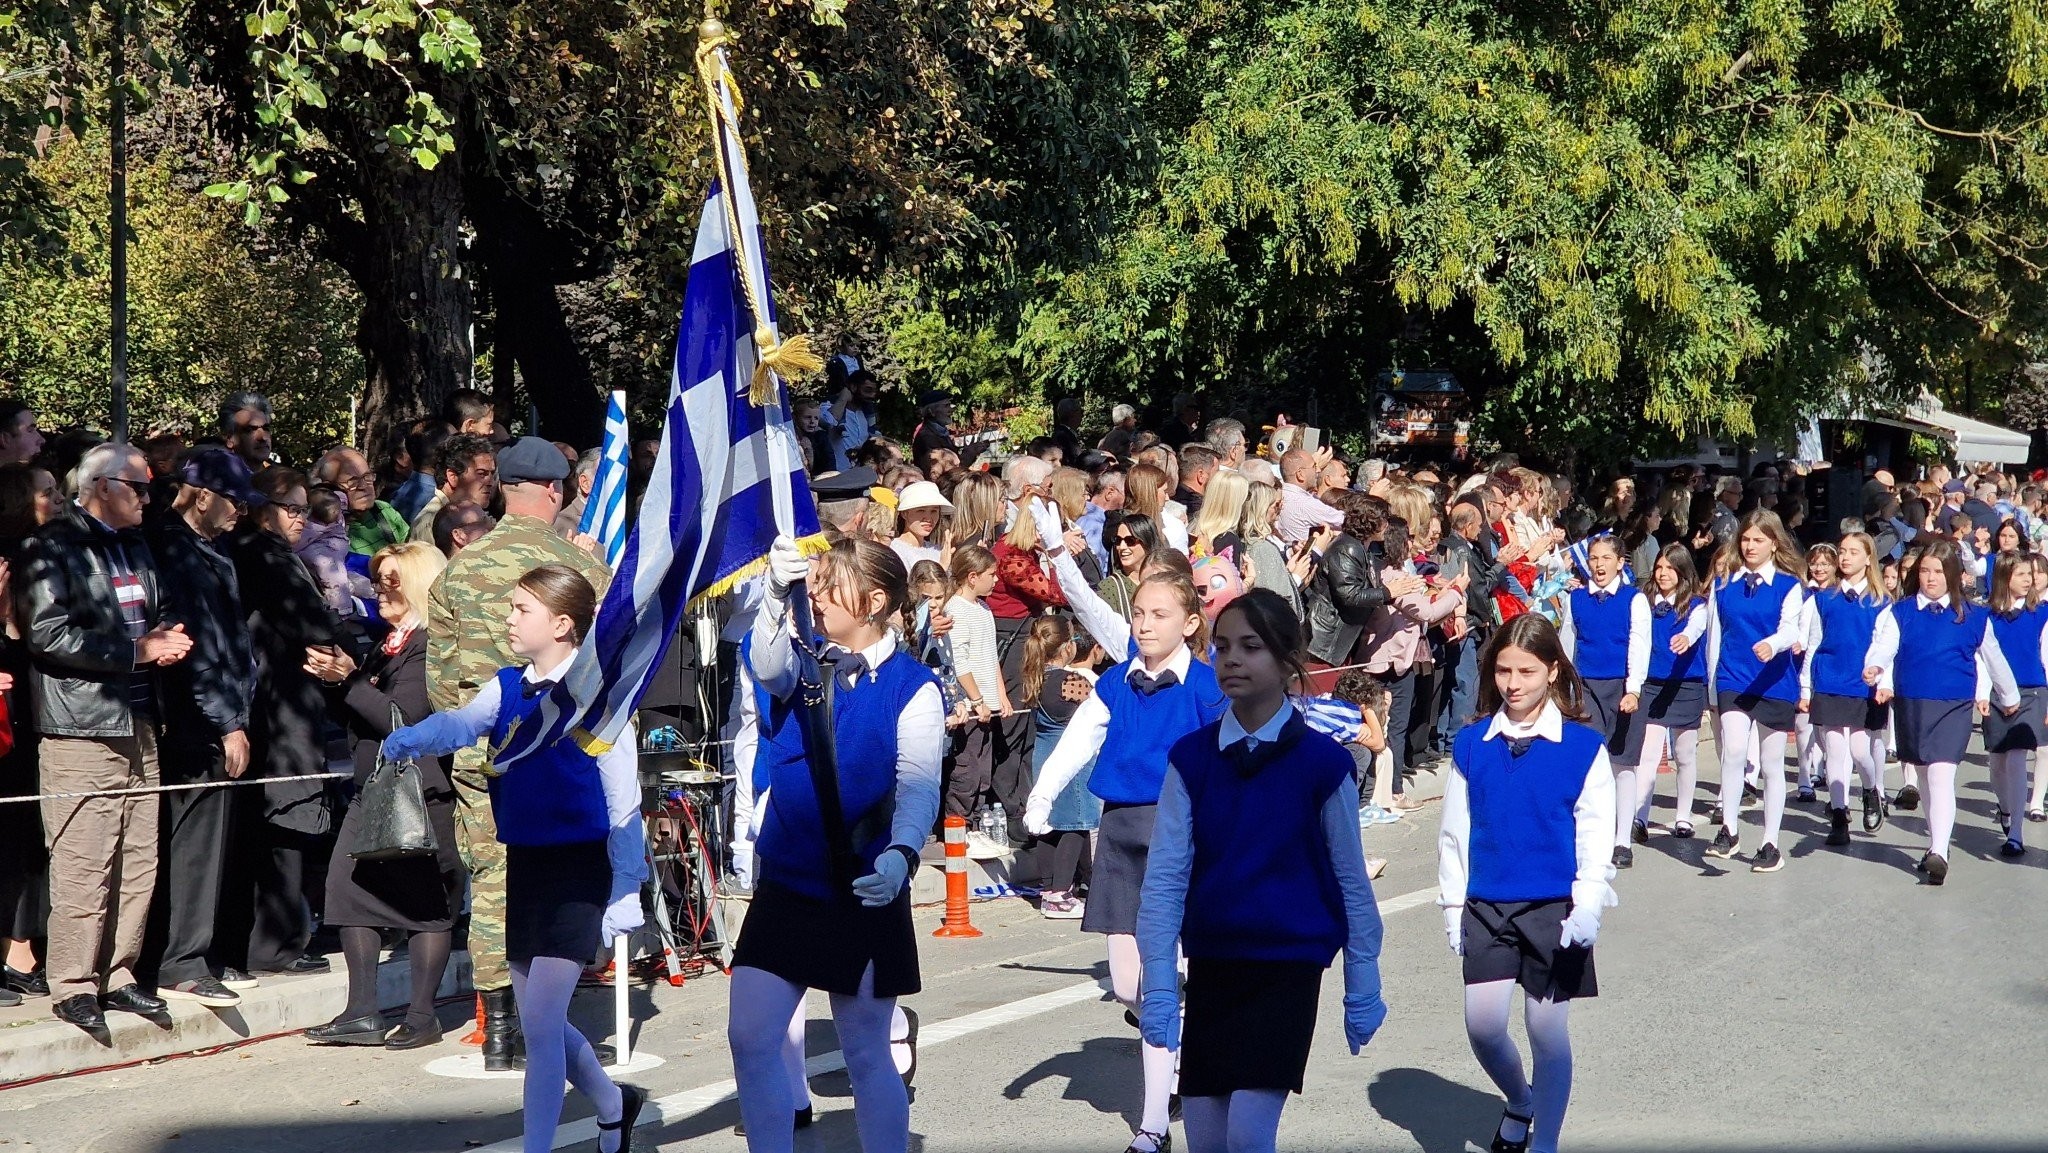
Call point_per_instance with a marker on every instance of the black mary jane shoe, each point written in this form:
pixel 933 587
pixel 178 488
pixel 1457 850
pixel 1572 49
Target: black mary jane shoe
pixel 349 1031
pixel 1502 1144
pixel 1161 1142
pixel 631 1098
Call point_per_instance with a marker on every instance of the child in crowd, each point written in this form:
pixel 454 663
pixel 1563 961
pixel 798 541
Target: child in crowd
pixel 1056 680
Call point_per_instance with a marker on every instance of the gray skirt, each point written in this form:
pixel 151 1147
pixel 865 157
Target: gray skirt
pixel 2026 729
pixel 1122 843
pixel 1933 732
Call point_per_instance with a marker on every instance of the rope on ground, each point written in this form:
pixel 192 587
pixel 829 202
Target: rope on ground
pixel 141 790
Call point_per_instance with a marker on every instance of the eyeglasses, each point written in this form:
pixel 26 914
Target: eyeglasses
pixel 360 480
pixel 295 511
pixel 139 487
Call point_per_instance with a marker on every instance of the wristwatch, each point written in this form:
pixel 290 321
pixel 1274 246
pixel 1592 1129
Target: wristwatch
pixel 909 856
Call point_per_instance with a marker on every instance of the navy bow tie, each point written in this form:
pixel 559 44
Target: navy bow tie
pixel 1519 745
pixel 1935 607
pixel 531 689
pixel 847 665
pixel 1663 610
pixel 1147 683
pixel 1750 581
pixel 1601 595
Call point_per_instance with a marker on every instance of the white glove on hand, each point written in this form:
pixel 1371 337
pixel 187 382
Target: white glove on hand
pixel 1038 815
pixel 623 916
pixel 1454 928
pixel 1581 927
pixel 881 886
pixel 787 566
pixel 1046 516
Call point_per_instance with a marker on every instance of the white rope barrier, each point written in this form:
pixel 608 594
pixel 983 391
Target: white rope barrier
pixel 145 789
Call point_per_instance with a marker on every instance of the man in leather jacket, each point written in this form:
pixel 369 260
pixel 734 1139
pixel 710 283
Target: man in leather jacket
pixel 89 608
pixel 206 723
pixel 1346 589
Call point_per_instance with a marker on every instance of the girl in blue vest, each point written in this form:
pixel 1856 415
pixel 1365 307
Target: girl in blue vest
pixel 575 850
pixel 1675 690
pixel 1753 624
pixel 1607 635
pixel 1524 870
pixel 1134 714
pixel 1840 622
pixel 1257 874
pixel 831 909
pixel 1823 571
pixel 2020 621
pixel 1952 672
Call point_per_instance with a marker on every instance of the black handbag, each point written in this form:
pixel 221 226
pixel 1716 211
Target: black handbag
pixel 393 823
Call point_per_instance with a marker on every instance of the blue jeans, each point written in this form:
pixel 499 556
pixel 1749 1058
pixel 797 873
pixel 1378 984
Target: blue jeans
pixel 1462 661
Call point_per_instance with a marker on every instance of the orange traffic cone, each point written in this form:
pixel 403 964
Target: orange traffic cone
pixel 956 924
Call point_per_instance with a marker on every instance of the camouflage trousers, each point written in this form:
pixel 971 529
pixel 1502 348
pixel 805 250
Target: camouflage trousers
pixel 478 833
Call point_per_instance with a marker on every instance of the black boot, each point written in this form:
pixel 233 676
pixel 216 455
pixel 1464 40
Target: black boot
pixel 504 1047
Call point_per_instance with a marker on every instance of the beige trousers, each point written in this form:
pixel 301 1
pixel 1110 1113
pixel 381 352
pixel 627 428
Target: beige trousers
pixel 103 862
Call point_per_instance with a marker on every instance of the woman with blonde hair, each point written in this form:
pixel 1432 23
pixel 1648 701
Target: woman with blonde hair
pixel 978 508
pixel 420 895
pixel 1146 488
pixel 1215 527
pixel 1266 556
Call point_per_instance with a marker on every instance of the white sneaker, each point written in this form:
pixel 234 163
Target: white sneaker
pixel 982 847
pixel 1063 909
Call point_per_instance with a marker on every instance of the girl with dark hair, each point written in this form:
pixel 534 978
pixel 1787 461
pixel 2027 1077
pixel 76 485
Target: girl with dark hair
pixel 1257 874
pixel 575 850
pixel 2020 621
pixel 1674 689
pixel 1524 870
pixel 1954 665
pixel 1607 634
pixel 1840 621
pixel 1159 694
pixel 1753 621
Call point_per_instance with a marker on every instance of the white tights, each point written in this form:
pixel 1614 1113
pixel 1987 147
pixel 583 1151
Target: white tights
pixel 1684 749
pixel 1626 789
pixel 1247 1121
pixel 1940 797
pixel 1736 731
pixel 757 1030
pixel 1124 971
pixel 2009 781
pixel 1487 1007
pixel 1842 747
pixel 1807 739
pixel 556 1051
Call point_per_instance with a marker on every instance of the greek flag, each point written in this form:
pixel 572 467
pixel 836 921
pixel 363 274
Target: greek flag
pixel 604 514
pixel 727 481
pixel 1577 554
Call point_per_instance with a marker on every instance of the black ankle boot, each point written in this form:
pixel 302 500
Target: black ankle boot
pixel 504 1047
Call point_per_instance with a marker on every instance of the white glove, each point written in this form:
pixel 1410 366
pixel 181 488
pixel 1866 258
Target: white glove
pixel 1581 927
pixel 623 916
pixel 787 566
pixel 1046 516
pixel 881 886
pixel 1038 815
pixel 1454 928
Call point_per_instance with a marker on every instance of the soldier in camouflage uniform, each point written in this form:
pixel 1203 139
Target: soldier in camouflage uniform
pixel 466 646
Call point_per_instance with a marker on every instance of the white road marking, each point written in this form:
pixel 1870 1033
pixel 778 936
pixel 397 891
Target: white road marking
pixel 681 1106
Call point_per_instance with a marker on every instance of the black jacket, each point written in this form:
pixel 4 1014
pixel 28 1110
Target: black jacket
pixel 288 725
pixel 80 650
pixel 1342 596
pixel 206 695
pixel 1474 559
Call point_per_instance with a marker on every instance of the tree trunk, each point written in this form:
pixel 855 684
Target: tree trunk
pixel 534 333
pixel 415 328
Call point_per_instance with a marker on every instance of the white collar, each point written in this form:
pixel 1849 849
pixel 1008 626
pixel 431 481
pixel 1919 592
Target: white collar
pixel 1549 724
pixel 880 651
pixel 1853 588
pixel 1608 589
pixel 1663 599
pixel 1921 602
pixel 1177 664
pixel 1232 730
pixel 1769 571
pixel 530 676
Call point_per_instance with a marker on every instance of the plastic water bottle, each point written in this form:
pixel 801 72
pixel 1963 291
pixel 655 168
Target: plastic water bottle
pixel 1000 822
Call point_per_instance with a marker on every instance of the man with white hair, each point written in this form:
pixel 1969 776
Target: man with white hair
pixel 1727 497
pixel 88 606
pixel 569 521
pixel 1226 436
pixel 1123 421
pixel 1025 476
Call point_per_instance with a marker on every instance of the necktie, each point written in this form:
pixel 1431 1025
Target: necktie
pixel 1934 607
pixel 1519 745
pixel 1600 596
pixel 1749 583
pixel 1663 610
pixel 847 665
pixel 1147 683
pixel 531 689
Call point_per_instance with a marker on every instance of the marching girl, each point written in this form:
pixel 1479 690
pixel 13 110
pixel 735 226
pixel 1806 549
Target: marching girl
pixel 1524 870
pixel 1136 711
pixel 1823 569
pixel 831 909
pixel 1257 874
pixel 1953 665
pixel 1753 623
pixel 1833 698
pixel 2020 621
pixel 1606 633
pixel 1674 696
pixel 575 851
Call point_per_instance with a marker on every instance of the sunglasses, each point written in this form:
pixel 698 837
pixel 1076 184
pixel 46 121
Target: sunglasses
pixel 139 487
pixel 1122 541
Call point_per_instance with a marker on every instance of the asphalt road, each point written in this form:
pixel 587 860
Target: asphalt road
pixel 1837 1005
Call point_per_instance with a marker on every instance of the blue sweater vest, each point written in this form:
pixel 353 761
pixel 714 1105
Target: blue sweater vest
pixel 555 796
pixel 1524 840
pixel 1600 627
pixel 793 847
pixel 1132 764
pixel 1846 626
pixel 1666 665
pixel 1937 658
pixel 1748 616
pixel 1261 887
pixel 2019 638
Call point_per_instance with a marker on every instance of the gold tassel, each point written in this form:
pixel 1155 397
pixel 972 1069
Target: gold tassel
pixel 791 357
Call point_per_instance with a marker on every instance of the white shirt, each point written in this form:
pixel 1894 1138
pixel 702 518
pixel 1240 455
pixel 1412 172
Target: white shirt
pixel 920 731
pixel 1638 667
pixel 1791 622
pixel 1695 621
pixel 1592 821
pixel 1087 728
pixel 1995 684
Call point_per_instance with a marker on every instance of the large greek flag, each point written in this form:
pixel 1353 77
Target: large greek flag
pixel 604 514
pixel 728 479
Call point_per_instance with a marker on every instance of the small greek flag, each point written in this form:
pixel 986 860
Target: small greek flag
pixel 604 514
